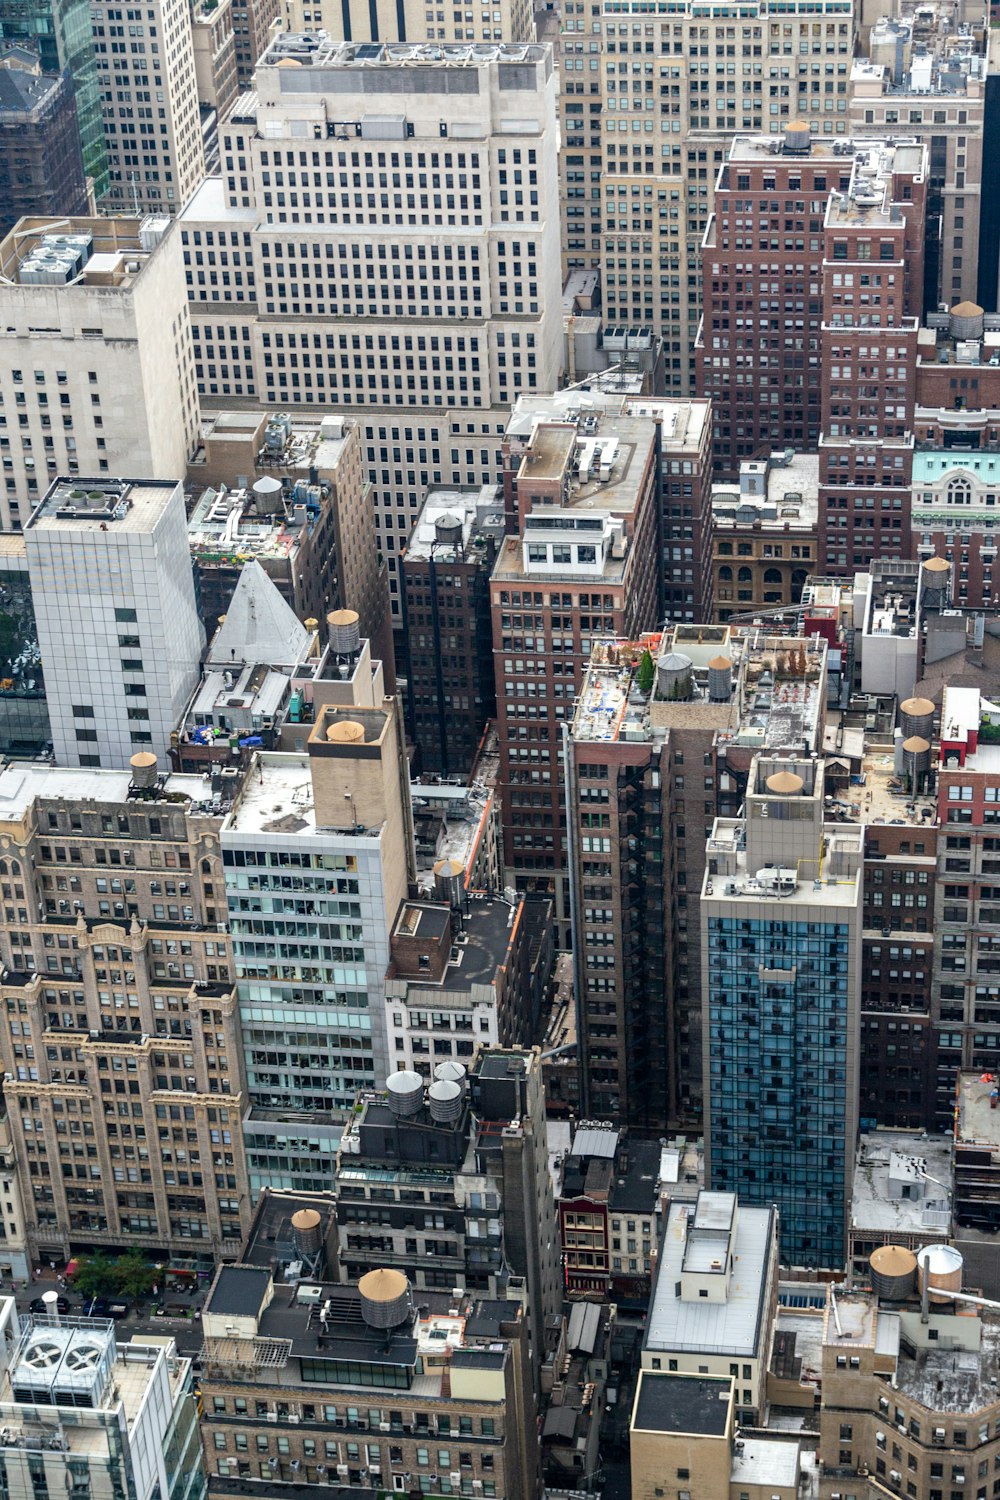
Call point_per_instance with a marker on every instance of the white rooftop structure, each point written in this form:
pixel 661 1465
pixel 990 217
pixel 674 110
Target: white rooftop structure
pixel 734 1325
pixel 765 1462
pixel 902 1184
pixel 260 626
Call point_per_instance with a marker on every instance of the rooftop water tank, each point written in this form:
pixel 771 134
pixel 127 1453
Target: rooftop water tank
pixel 448 530
pixel 966 321
pixel 385 1298
pixel 785 784
pixel 893 1272
pixel 939 1267
pixel 935 583
pixel 916 716
pixel 307 1235
pixel 673 675
pixel 445 1100
pixel 345 732
pixel 795 138
pixel 406 1093
pixel 344 627
pixel 449 881
pixel 450 1072
pixel 267 494
pixel 916 759
pixel 143 767
pixel 720 679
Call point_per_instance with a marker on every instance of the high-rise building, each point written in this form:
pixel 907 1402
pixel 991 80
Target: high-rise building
pixel 649 107
pixel 928 77
pixel 447 629
pixel 118 627
pixel 426 313
pixel 475 1152
pixel 582 566
pixel 82 1410
pixel 867 354
pixel 126 1116
pixel 156 156
pixel 781 918
pixel 411 21
pixel 214 56
pixel 253 26
pixel 60 32
pixel 311 1000
pixel 41 166
pixel 109 389
pixel 362 1382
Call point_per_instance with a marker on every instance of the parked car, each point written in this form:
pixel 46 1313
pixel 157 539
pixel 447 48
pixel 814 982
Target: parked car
pixel 41 1306
pixel 101 1307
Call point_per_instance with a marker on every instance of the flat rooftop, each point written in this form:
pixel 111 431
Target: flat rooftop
pixel 318 49
pixel 102 505
pixel 843 845
pixel 239 1291
pixel 682 1403
pixel 976 1119
pixel 901 1158
pixel 764 1462
pixel 954 1380
pixel 219 537
pixel 480 513
pixel 487 929
pixel 883 798
pixel 207 205
pixel 57 254
pixel 594 411
pixel 791 498
pixel 277 797
pixel 731 1327
pixel 22 782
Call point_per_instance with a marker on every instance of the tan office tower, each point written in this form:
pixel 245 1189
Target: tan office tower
pixel 424 300
pixel 414 20
pixel 119 1048
pixel 152 126
pixel 674 92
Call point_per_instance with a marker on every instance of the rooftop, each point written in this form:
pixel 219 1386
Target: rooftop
pixel 480 946
pixel 96 505
pixel 239 1291
pixel 682 1403
pixel 454 524
pixel 891 1163
pixel 682 423
pixel 734 1326
pixel 91 253
pixel 765 1461
pixel 277 797
pixel 883 797
pixel 22 782
pixel 226 528
pixel 733 880
pixel 22 91
pixel 772 496
pixel 959 1380
pixel 977 1118
pixel 317 49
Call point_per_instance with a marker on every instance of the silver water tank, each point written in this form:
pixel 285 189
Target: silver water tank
pixel 385 1298
pixel 445 1101
pixel 344 628
pixel 406 1093
pixel 448 530
pixel 720 679
pixel 673 675
pixel 916 716
pixel 939 1268
pixel 267 493
pixel 450 1072
pixel 916 761
pixel 795 139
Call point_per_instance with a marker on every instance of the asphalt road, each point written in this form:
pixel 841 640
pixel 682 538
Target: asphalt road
pixel 186 1332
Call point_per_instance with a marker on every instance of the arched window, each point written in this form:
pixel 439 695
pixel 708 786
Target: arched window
pixel 772 575
pixel 745 575
pixel 726 575
pixel 959 492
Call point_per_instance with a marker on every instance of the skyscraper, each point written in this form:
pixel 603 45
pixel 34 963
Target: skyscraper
pixel 424 303
pixel 781 914
pixel 61 31
pixel 118 627
pixel 41 168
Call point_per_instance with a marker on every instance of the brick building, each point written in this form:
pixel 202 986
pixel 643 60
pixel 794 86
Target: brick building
pixel 582 566
pixel 873 254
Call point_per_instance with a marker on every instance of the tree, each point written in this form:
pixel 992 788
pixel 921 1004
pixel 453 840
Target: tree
pixel 134 1276
pixel 645 675
pixel 94 1275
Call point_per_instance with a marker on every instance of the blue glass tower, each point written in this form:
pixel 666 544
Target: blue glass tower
pixel 781 935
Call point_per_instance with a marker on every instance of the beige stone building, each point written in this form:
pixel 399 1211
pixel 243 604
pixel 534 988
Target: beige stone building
pixel 359 1387
pixel 925 76
pixel 152 127
pixel 215 55
pixel 422 302
pixel 764 534
pixel 122 1070
pixel 96 369
pixel 648 108
pixel 680 1437
pixel 413 20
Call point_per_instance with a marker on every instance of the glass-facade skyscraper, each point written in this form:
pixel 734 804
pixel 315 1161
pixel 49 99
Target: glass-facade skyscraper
pixel 781 933
pixel 61 32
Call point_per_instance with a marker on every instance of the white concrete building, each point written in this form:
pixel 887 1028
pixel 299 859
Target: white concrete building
pixel 96 368
pixel 118 627
pixel 386 241
pixel 413 20
pixel 152 124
